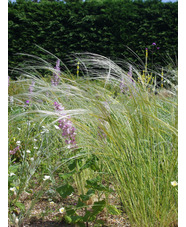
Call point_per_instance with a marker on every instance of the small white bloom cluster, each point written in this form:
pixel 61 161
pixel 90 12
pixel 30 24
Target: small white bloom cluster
pixel 18 143
pixel 46 178
pixel 45 130
pixel 13 189
pixel 57 127
pixel 174 183
pixel 62 210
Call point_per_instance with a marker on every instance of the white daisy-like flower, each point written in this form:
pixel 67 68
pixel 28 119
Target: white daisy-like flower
pixel 28 151
pixel 57 127
pixel 46 178
pixel 51 203
pixel 11 99
pixel 13 189
pixel 16 220
pixel 18 143
pixel 174 183
pixel 45 131
pixel 62 210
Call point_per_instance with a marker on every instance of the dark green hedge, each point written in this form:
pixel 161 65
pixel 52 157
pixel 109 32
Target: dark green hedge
pixel 104 28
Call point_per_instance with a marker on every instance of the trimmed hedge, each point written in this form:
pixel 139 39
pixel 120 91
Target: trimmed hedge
pixel 104 28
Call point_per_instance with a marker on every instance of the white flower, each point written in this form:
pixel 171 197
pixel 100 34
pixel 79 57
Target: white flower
pixel 36 148
pixel 18 143
pixel 13 189
pixel 16 220
pixel 28 151
pixel 31 159
pixel 45 131
pixel 174 183
pixel 35 139
pixel 46 178
pixel 51 203
pixel 11 99
pixel 57 127
pixel 11 174
pixel 19 129
pixel 62 210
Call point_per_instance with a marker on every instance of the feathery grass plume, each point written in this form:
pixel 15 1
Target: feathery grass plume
pixel 139 149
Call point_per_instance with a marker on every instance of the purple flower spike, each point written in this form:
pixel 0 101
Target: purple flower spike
pixel 58 107
pixel 31 88
pixel 57 65
pixel 68 130
pixel 55 80
pixel 14 150
pixel 154 44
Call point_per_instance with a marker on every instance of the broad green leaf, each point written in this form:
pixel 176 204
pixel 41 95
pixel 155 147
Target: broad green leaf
pixel 65 190
pixel 80 204
pixel 20 205
pixel 97 186
pixel 70 211
pixel 66 175
pixel 68 219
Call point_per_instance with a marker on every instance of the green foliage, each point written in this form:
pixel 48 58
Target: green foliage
pixel 103 27
pixel 136 159
pixel 65 190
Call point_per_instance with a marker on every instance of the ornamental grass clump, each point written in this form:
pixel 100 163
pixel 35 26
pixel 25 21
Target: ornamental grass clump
pixel 133 134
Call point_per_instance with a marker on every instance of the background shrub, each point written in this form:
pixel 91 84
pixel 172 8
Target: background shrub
pixel 105 28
